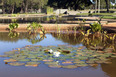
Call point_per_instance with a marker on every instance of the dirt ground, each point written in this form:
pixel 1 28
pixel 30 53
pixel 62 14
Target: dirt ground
pixel 48 27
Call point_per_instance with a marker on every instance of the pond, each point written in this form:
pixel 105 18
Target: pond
pixel 44 19
pixel 78 56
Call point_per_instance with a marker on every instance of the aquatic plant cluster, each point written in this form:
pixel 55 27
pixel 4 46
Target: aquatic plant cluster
pixel 57 56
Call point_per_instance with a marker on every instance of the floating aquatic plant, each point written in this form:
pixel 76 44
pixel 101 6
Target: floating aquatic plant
pixel 57 56
pixel 16 64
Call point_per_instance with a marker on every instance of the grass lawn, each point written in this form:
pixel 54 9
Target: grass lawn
pixel 109 17
pixel 103 14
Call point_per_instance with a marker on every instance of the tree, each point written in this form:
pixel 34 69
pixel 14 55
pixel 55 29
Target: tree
pixel 74 4
pixel 107 5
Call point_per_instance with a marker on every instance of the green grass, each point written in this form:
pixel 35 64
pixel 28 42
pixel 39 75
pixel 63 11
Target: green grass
pixel 103 14
pixel 109 17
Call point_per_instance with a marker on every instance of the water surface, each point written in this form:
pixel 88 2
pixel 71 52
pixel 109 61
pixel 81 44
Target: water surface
pixel 7 44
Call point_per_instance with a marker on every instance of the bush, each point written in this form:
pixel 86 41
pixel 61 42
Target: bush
pixel 13 26
pixel 49 10
pixel 96 27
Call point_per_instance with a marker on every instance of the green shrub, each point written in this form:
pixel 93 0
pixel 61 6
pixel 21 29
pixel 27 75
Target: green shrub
pixel 13 26
pixel 49 10
pixel 96 27
pixel 33 27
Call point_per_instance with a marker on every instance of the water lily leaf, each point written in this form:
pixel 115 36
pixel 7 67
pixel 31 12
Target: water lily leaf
pixel 78 62
pixel 3 55
pixel 32 64
pixel 19 57
pixel 90 62
pixel 24 60
pixel 33 52
pixel 67 62
pixel 9 53
pixel 81 64
pixel 54 66
pixel 39 58
pixel 31 56
pixel 99 61
pixel 82 58
pixel 16 64
pixel 51 63
pixel 10 60
pixel 70 66
pixel 93 65
pixel 35 60
pixel 47 60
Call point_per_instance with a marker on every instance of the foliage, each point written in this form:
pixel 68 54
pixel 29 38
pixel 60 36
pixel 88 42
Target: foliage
pixel 49 10
pixel 13 34
pixel 86 34
pixel 110 37
pixel 73 58
pixel 13 26
pixel 33 27
pixel 22 6
pixel 75 4
pixel 96 27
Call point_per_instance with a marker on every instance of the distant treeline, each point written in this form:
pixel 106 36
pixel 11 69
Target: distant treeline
pixel 23 6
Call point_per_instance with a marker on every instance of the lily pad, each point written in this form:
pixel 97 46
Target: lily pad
pixel 10 60
pixel 70 66
pixel 67 62
pixel 32 64
pixel 51 63
pixel 9 53
pixel 3 55
pixel 16 64
pixel 81 64
pixel 24 60
pixel 35 60
pixel 54 66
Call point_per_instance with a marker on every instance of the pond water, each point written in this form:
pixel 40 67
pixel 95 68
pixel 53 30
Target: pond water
pixel 11 42
pixel 45 19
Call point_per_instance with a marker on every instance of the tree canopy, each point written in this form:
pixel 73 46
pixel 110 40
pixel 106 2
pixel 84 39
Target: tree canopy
pixel 74 4
pixel 22 6
pixel 11 6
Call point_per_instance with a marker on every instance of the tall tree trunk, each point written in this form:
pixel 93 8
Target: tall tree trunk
pixel 3 8
pixel 26 6
pixel 12 9
pixel 107 5
pixel 22 7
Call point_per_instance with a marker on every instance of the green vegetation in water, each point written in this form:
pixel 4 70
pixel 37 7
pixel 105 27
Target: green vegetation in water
pixel 13 26
pixel 96 27
pixel 57 56
pixel 33 28
pixel 13 34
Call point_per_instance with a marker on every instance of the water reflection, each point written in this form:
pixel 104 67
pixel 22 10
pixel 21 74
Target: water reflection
pixel 91 42
pixel 46 19
pixel 110 69
pixel 34 38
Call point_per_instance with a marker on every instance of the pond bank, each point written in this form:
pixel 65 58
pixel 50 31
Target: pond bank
pixel 48 27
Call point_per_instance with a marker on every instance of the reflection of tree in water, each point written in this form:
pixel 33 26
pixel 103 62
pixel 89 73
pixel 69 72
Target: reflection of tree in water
pixel 110 69
pixel 13 34
pixel 92 41
pixel 68 38
pixel 5 36
pixel 34 38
